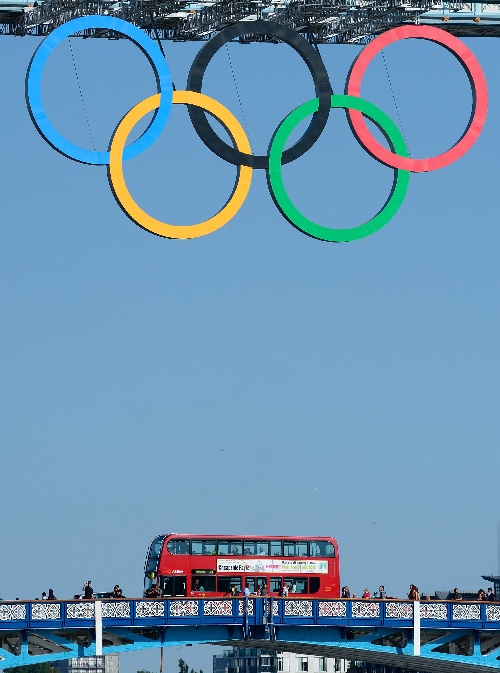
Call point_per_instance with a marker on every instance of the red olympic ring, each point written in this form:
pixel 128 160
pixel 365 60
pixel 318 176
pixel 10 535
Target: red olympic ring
pixel 479 98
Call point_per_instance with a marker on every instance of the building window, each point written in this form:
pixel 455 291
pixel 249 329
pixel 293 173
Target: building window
pixel 319 664
pixel 302 665
pixel 284 664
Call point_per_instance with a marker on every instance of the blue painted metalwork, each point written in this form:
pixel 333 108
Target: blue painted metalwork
pixel 444 636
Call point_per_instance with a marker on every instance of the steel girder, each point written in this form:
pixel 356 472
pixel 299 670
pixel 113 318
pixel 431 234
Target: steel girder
pixel 320 21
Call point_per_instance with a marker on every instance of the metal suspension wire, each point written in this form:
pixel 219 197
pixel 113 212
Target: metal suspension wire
pixel 237 91
pixel 157 36
pixel 395 101
pixel 81 95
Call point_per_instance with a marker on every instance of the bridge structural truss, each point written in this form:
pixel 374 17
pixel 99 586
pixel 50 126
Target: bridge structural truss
pixel 430 636
pixel 319 21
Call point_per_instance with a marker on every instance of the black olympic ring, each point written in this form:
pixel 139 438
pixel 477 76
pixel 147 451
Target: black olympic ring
pixel 308 54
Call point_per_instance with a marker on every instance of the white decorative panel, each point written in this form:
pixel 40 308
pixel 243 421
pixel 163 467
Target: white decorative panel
pixel 466 611
pixel 399 610
pixel 493 613
pixel 218 608
pixel 10 612
pixel 241 607
pixel 298 608
pixel 80 610
pixel 46 610
pixel 118 609
pixel 183 608
pixel 433 611
pixel 150 609
pixel 332 609
pixel 365 609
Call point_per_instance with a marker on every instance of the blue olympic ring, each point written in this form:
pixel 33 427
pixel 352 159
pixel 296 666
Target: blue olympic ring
pixel 149 49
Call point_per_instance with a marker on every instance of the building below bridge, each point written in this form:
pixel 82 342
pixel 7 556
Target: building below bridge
pixel 253 660
pixel 109 663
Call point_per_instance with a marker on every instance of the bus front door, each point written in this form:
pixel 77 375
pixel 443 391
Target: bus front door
pixel 174 586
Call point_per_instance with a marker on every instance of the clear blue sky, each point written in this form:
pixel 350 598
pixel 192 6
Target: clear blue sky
pixel 254 380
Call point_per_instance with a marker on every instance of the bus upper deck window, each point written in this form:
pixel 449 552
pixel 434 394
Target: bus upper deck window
pixel 301 548
pixel 276 547
pixel 230 548
pixel 176 546
pixel 322 548
pixel 262 548
pixel 256 548
pixel 157 545
pixel 203 547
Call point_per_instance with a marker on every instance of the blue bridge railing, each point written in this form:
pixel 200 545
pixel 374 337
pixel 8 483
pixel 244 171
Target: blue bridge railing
pixel 467 633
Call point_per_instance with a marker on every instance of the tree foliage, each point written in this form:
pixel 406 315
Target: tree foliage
pixel 184 668
pixel 32 668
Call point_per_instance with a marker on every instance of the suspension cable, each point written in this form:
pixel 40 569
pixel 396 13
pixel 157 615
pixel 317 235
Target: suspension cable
pixel 157 36
pixel 394 101
pixel 237 91
pixel 81 95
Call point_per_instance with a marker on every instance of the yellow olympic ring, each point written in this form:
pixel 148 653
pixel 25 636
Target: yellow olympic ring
pixel 119 187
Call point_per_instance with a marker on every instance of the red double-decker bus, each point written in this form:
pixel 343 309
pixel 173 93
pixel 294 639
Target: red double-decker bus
pixel 222 565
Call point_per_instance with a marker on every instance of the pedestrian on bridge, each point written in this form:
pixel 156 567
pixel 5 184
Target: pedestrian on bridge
pixel 88 592
pixel 51 596
pixel 414 594
pixel 117 592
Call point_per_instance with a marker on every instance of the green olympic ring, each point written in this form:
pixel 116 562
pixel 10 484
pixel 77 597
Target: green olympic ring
pixel 283 201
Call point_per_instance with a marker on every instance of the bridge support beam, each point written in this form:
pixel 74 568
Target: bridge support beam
pixel 416 629
pixel 98 628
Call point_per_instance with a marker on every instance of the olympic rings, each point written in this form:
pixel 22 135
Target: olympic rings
pixel 240 155
pixel 117 181
pixel 281 198
pixel 311 58
pixel 479 97
pixel 34 98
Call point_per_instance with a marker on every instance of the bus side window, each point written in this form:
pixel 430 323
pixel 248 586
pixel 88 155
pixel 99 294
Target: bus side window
pixel 276 547
pixel 176 546
pixel 203 583
pixel 262 548
pixel 301 585
pixel 313 585
pixel 322 548
pixel 301 548
pixel 256 548
pixel 275 585
pixel 203 547
pixel 224 584
pixel 252 584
